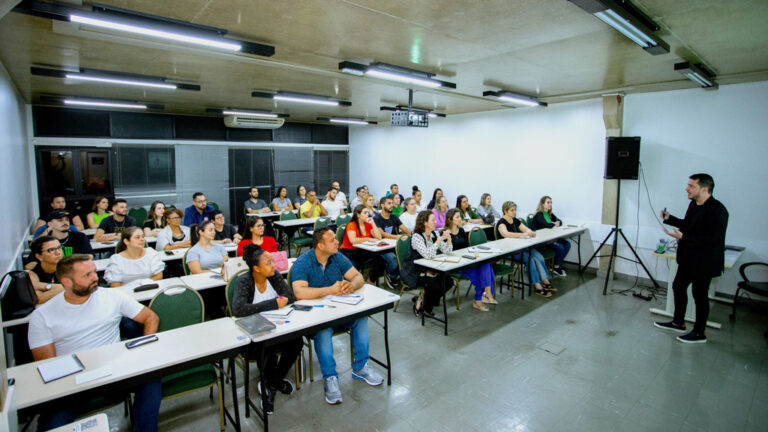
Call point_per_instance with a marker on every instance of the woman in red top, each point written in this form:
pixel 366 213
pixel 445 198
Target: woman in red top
pixel 361 229
pixel 254 234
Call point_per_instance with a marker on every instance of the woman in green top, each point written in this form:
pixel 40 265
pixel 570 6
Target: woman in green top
pixel 397 208
pixel 544 218
pixel 467 213
pixel 100 206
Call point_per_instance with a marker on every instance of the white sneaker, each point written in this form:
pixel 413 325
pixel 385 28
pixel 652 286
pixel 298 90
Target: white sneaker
pixel 332 392
pixel 559 272
pixel 368 375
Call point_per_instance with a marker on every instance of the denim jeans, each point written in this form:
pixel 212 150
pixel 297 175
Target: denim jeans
pixel 391 264
pixel 324 346
pixel 146 405
pixel 537 269
pixel 561 248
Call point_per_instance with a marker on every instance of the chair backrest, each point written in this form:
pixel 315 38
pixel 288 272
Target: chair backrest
pixel 477 236
pixel 528 221
pixel 214 205
pixel 343 219
pixel 402 250
pixel 288 278
pixel 322 222
pixel 341 231
pixel 184 263
pixel 230 293
pixel 496 233
pixel 287 215
pixel 178 306
pixel 138 213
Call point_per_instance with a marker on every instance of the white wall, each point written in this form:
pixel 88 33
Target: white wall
pixel 15 190
pixel 559 150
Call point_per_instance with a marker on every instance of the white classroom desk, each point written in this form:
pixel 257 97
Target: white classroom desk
pixel 470 226
pixel 390 245
pixel 110 245
pixel 173 349
pixel 732 255
pixel 271 214
pixel 294 223
pixel 308 323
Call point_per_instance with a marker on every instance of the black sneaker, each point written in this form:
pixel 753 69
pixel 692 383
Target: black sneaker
pixel 268 405
pixel 285 387
pixel 692 338
pixel 677 328
pixel 392 283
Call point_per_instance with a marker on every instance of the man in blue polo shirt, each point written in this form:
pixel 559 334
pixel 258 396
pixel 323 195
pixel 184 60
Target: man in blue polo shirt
pixel 199 211
pixel 320 272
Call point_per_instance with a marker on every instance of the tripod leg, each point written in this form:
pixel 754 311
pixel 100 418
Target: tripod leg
pixel 655 284
pixel 597 251
pixel 615 232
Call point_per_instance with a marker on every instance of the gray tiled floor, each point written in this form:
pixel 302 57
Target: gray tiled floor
pixel 616 372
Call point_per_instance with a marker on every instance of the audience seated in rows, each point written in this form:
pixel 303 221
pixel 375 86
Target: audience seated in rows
pixel 132 260
pixel 262 289
pixel 281 202
pixel 199 211
pixel 435 196
pixel 362 228
pixel 333 205
pixel 47 253
pixel 358 200
pixel 416 195
pixel 370 203
pixel 312 207
pixel 511 227
pixel 390 225
pixel 254 204
pixel 99 211
pixel 481 276
pixel 174 235
pixel 58 227
pixel 485 208
pixel 440 210
pixel 225 233
pixel 425 243
pixel 394 189
pixel 254 234
pixel 320 272
pixel 204 255
pixel 86 317
pixel 155 219
pixel 301 196
pixel 397 205
pixel 544 218
pixel 59 203
pixel 341 196
pixel 113 226
pixel 467 213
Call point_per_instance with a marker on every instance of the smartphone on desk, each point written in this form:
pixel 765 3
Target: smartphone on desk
pixel 302 307
pixel 169 253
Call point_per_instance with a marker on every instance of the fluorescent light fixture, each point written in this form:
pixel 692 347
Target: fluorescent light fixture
pixel 347 120
pixel 431 114
pixel 393 76
pixel 81 77
pixel 104 104
pixel 514 98
pixel 697 73
pixel 146 31
pixel 249 114
pixel 628 20
pixel 394 73
pixel 305 100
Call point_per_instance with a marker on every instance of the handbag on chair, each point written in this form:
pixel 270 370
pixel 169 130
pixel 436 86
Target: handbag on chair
pixel 19 299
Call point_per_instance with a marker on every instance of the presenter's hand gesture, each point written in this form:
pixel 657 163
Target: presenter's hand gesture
pixel 674 233
pixel 664 215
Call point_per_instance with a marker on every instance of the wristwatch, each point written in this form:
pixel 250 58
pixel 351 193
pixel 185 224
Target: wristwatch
pixel 48 286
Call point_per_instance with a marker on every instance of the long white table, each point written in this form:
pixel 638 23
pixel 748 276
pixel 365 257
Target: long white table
pixel 377 247
pixel 308 323
pixel 732 255
pixel 99 246
pixel 176 350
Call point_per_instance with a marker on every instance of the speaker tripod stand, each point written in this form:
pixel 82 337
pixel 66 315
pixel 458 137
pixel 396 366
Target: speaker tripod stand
pixel 616 232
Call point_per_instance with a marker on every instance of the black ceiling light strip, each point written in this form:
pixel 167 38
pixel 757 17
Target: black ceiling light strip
pixel 698 73
pixel 395 73
pixel 97 75
pixel 300 98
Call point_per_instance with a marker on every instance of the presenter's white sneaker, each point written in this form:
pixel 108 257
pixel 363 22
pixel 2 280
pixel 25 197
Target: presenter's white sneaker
pixel 368 375
pixel 332 392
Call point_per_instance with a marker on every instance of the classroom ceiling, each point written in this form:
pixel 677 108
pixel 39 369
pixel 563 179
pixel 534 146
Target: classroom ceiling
pixel 550 49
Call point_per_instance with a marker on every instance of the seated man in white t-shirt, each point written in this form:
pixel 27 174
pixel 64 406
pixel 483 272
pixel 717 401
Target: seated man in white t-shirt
pixel 84 317
pixel 334 206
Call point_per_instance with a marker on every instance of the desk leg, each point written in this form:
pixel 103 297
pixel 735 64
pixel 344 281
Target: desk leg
pixel 232 376
pixel 388 365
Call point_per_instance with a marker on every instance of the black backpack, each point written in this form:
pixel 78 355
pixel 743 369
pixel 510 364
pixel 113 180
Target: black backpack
pixel 20 298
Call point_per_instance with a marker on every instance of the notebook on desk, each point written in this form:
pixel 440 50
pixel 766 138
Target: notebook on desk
pixel 59 368
pixel 350 299
pixel 255 324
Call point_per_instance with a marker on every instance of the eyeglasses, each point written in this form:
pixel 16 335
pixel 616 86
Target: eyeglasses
pixel 53 249
pixel 259 225
pixel 201 201
pixel 173 217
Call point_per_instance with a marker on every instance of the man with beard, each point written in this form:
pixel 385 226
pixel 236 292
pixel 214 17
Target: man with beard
pixel 85 317
pixel 113 226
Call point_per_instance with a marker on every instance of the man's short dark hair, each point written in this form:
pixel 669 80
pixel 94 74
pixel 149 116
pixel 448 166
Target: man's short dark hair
pixel 705 180
pixel 53 198
pixel 65 265
pixel 197 194
pixel 357 191
pixel 393 185
pixel 118 201
pixel 254 187
pixel 37 245
pixel 215 213
pixel 331 188
pixel 317 236
pixel 383 200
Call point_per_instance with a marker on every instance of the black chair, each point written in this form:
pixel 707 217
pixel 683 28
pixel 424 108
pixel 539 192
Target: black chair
pixel 753 287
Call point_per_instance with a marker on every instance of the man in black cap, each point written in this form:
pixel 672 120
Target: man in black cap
pixel 57 226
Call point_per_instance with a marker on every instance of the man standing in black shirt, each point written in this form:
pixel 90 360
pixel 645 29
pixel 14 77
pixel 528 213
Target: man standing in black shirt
pixel 113 226
pixel 700 254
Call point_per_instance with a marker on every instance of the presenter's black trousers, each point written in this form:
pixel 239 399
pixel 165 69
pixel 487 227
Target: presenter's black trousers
pixel 700 284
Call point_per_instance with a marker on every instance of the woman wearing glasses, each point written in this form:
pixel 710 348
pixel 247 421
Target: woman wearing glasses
pixel 47 252
pixel 174 235
pixel 254 234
